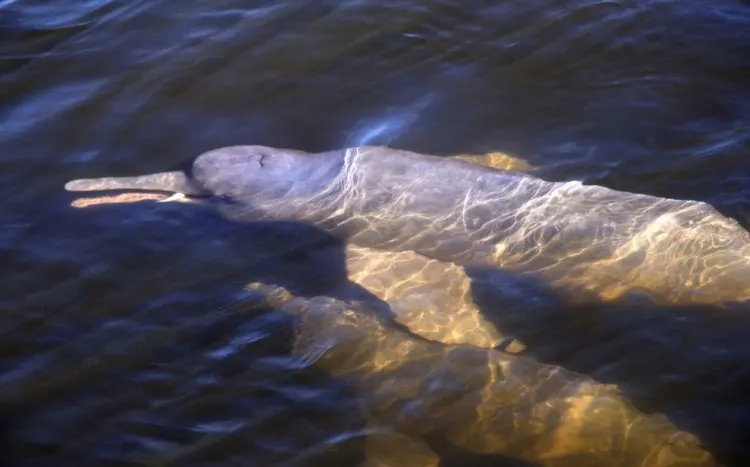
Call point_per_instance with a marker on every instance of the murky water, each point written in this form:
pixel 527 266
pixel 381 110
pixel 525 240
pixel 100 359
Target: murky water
pixel 119 346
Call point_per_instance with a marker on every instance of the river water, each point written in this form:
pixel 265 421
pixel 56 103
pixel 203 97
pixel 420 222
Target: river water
pixel 117 345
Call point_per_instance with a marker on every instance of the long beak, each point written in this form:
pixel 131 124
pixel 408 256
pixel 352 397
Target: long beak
pixel 172 182
pixel 161 187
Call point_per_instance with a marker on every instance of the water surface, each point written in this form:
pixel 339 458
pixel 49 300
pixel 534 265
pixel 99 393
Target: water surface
pixel 114 350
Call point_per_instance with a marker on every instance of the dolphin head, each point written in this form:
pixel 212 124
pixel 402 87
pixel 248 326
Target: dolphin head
pixel 260 174
pixel 228 178
pixel 162 186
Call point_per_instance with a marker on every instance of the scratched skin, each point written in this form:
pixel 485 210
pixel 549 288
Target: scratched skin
pixel 588 240
pixel 483 401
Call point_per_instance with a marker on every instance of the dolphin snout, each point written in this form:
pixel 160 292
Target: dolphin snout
pixel 157 187
pixel 87 184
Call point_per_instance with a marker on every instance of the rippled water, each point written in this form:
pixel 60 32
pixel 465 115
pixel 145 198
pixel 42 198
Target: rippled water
pixel 117 344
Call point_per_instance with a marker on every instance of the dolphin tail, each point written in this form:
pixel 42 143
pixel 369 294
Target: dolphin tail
pixel 174 182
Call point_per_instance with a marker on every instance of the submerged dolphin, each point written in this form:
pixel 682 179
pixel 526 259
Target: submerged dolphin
pixel 482 401
pixel 587 240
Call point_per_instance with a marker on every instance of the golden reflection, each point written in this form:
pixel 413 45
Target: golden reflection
pixel 498 160
pixel 430 297
pixel 480 400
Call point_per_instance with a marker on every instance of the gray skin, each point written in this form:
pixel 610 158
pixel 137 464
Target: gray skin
pixel 587 241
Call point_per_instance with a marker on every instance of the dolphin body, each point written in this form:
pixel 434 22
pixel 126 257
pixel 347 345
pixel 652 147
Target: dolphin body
pixel 587 240
pixel 482 401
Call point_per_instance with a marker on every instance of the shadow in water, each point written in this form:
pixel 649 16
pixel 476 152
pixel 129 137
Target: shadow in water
pixel 690 363
pixel 92 376
pixel 147 377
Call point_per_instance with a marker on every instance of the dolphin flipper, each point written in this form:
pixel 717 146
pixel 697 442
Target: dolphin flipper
pixel 429 297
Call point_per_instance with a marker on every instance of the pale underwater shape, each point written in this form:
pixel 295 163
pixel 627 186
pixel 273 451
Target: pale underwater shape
pixel 483 401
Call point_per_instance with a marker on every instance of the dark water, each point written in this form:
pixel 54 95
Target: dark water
pixel 114 350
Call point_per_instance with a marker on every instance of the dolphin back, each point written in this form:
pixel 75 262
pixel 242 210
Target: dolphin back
pixel 174 182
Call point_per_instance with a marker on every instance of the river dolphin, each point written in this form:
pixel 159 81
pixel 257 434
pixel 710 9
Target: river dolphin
pixel 587 240
pixel 483 401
